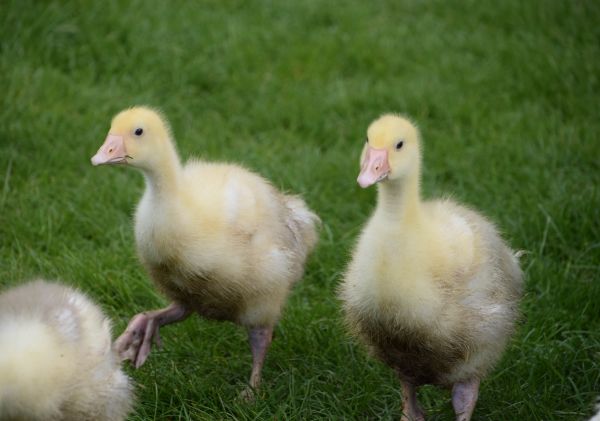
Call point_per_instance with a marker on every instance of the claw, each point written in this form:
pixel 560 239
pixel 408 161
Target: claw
pixel 144 350
pixel 135 343
pixel 247 395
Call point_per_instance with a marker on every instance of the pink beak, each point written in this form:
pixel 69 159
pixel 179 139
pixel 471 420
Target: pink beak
pixel 374 167
pixel 112 151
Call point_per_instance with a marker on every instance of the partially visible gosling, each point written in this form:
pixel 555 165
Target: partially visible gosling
pixel 597 416
pixel 56 357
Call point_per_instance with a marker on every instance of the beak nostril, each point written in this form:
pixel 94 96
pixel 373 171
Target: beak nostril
pixel 110 150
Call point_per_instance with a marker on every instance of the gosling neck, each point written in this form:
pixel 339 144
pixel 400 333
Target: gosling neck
pixel 400 200
pixel 162 174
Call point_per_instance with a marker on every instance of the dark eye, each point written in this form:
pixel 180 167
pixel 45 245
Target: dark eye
pixel 139 131
pixel 367 140
pixel 399 145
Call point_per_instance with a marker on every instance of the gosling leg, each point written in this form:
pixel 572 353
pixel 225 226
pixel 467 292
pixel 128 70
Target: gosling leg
pixel 259 340
pixel 464 398
pixel 411 411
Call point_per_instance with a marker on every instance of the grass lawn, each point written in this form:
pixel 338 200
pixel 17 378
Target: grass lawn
pixel 507 95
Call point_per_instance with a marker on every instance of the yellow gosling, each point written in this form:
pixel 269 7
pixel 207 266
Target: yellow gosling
pixel 216 239
pixel 432 290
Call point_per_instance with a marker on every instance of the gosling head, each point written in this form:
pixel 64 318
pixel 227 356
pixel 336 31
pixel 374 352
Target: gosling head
pixel 391 151
pixel 138 137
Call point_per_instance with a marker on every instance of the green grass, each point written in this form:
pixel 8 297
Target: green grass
pixel 507 96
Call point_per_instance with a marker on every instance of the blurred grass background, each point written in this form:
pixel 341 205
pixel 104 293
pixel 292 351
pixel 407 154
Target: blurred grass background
pixel 507 98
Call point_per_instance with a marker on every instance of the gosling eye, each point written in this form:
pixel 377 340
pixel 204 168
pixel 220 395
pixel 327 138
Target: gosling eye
pixel 399 145
pixel 367 140
pixel 139 131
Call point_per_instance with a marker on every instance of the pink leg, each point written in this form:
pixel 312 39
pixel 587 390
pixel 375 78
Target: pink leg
pixel 411 411
pixel 464 398
pixel 134 344
pixel 260 340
